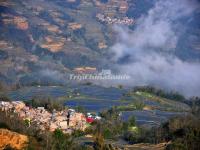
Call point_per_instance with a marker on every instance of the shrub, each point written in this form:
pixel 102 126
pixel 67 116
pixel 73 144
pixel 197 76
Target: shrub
pixel 99 142
pixel 132 121
pixel 47 103
pixel 5 98
pixel 107 134
pixel 78 133
pixel 62 141
pixel 139 105
pixel 173 95
pixel 185 132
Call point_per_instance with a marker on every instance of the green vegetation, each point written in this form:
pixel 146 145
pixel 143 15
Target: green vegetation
pixel 99 143
pixel 62 141
pixel 120 86
pixel 161 93
pixel 38 139
pixel 182 132
pixel 48 103
pixel 5 98
pixel 80 109
pixel 137 105
pixel 140 97
pixel 111 126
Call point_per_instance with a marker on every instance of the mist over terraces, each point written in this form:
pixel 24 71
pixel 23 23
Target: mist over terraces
pixel 62 35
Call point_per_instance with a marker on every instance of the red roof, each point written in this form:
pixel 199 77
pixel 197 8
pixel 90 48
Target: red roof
pixel 89 120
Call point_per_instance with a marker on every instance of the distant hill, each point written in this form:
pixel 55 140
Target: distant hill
pixel 44 40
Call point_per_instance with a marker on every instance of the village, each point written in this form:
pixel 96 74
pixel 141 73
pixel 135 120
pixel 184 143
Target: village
pixel 109 20
pixel 67 120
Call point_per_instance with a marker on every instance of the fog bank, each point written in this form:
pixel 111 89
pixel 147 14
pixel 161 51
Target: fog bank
pixel 147 53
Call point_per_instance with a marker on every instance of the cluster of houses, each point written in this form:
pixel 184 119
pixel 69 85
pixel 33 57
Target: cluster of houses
pixel 91 117
pixel 109 20
pixel 66 120
pixel 86 70
pixel 91 70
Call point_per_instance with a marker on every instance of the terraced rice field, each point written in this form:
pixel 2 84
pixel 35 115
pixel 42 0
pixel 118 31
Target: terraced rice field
pixel 95 99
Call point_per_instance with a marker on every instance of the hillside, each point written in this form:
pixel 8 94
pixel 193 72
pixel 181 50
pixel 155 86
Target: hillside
pixel 41 41
pixel 12 139
pixel 53 35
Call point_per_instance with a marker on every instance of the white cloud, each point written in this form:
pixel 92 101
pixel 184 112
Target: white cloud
pixel 151 49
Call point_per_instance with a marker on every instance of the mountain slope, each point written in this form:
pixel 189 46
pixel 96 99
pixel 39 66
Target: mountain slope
pixel 42 39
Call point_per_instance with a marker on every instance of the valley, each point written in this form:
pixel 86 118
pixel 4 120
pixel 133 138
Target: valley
pixel 49 49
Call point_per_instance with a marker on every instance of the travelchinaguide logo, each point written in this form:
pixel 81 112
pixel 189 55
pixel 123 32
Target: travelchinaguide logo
pixel 89 73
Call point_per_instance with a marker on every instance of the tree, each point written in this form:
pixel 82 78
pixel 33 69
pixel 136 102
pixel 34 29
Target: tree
pixel 62 141
pixel 132 121
pixel 4 98
pixel 99 142
pixel 120 86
